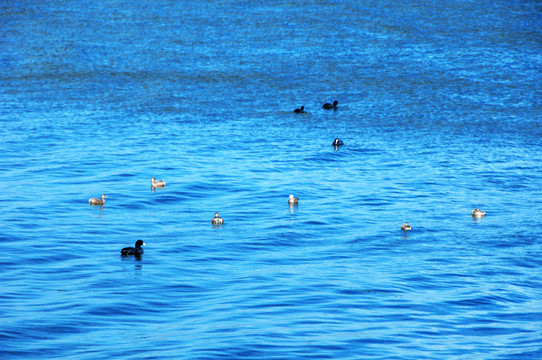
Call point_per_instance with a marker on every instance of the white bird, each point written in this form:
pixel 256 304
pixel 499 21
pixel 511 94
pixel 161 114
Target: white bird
pixel 406 227
pixel 478 213
pixel 96 201
pixel 158 183
pixel 217 220
pixel 292 200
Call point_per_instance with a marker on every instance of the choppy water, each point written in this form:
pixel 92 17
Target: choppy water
pixel 440 112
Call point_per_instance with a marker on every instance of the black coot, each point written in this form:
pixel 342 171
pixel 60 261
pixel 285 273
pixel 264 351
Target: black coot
pixel 329 106
pixel 137 250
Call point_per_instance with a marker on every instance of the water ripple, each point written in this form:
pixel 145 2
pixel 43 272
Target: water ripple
pixel 437 119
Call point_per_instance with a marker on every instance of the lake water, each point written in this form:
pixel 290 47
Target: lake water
pixel 440 110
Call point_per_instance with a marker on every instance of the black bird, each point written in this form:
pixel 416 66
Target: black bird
pixel 302 110
pixel 329 106
pixel 337 142
pixel 137 250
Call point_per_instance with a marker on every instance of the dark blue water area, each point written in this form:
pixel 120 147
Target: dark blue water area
pixel 440 112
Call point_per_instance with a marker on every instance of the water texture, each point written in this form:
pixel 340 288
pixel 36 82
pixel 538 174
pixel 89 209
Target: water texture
pixel 440 110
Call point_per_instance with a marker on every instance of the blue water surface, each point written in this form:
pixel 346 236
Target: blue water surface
pixel 440 110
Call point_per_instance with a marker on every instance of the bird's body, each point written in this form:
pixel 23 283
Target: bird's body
pixel 292 200
pixel 337 142
pixel 96 201
pixel 137 250
pixel 217 220
pixel 406 227
pixel 329 106
pixel 477 213
pixel 157 183
pixel 301 110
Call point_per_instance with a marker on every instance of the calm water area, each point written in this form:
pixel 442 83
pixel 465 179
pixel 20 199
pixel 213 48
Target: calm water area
pixel 440 112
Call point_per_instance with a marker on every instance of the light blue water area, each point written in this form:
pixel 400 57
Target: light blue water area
pixel 439 110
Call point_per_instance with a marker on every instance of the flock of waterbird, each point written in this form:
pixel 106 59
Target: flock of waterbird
pixel 137 250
